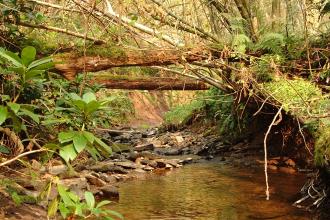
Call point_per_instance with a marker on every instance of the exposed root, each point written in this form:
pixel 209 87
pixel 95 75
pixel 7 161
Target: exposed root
pixel 274 122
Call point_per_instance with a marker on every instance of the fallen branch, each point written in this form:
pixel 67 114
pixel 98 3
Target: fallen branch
pixel 274 122
pixel 22 155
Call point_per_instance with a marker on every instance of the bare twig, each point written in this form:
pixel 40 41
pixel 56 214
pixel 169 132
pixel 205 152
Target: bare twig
pixel 60 30
pixel 22 155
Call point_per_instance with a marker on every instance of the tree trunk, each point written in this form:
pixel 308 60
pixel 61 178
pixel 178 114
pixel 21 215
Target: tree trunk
pixel 153 83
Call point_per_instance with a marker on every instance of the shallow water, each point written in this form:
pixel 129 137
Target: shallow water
pixel 210 191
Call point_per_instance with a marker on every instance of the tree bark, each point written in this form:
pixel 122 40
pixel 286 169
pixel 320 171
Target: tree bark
pixel 153 83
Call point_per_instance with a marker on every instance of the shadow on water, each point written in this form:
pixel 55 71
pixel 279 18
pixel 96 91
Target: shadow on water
pixel 210 191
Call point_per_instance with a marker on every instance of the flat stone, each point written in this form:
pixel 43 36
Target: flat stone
pixel 126 164
pixel 148 168
pixel 56 170
pixel 109 191
pixel 144 147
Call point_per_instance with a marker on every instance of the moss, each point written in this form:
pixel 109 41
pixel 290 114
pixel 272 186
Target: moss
pixel 322 147
pixel 299 97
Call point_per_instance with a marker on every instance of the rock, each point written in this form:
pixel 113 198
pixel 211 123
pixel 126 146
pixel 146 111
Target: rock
pixel 132 156
pixel 109 191
pixel 272 167
pixel 209 157
pixel 187 160
pixel 174 162
pixel 290 163
pixel 121 147
pixel 144 147
pixel 288 170
pixel 172 152
pixel 94 180
pixel 77 185
pixel 108 167
pixel 160 163
pixel 139 170
pixel 148 168
pixel 179 139
pixel 168 166
pixel 107 178
pixel 126 164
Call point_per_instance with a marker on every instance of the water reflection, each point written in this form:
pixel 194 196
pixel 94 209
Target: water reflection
pixel 210 191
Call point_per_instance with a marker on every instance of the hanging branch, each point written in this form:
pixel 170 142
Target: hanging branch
pixel 60 30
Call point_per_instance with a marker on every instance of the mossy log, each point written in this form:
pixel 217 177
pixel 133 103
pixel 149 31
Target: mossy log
pixel 70 65
pixel 153 83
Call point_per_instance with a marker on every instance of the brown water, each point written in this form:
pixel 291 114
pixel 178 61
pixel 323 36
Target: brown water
pixel 210 191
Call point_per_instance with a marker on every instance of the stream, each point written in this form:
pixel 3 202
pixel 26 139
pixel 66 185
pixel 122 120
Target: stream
pixel 210 190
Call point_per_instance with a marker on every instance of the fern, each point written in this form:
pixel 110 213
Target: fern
pixel 272 43
pixel 241 42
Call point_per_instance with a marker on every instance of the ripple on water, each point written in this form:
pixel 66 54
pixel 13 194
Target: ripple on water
pixel 210 191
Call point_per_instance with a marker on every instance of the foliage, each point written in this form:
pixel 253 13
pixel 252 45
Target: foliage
pixel 71 206
pixel 183 113
pixel 265 68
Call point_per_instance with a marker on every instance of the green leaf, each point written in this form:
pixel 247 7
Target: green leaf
pixel 68 153
pixel 28 55
pixel 16 198
pixel 33 116
pixel 3 114
pixel 4 149
pixel 52 208
pixel 79 104
pixel 88 97
pixel 89 136
pixel 66 136
pixel 11 57
pixel 63 210
pixel 14 107
pixel 41 64
pixel 103 147
pixel 38 74
pixel 92 106
pixel 90 200
pixel 64 194
pixel 79 142
pixel 114 213
pixel 74 96
pixel 102 203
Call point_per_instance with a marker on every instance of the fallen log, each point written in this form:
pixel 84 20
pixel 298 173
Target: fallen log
pixel 70 65
pixel 153 83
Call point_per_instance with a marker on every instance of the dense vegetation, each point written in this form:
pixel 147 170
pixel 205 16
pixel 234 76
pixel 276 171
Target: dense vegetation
pixel 267 54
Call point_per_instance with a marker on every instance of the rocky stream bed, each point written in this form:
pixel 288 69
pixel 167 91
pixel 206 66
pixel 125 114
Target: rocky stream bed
pixel 136 154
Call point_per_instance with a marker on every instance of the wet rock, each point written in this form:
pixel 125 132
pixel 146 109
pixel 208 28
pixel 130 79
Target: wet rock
pixel 160 163
pixel 94 180
pixel 109 192
pixel 148 168
pixel 168 166
pixel 288 170
pixel 107 178
pixel 174 162
pixel 108 167
pixel 132 156
pixel 272 167
pixel 144 147
pixel 187 160
pixel 126 164
pixel 290 163
pixel 172 152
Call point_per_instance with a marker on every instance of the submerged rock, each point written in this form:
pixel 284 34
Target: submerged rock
pixel 109 192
